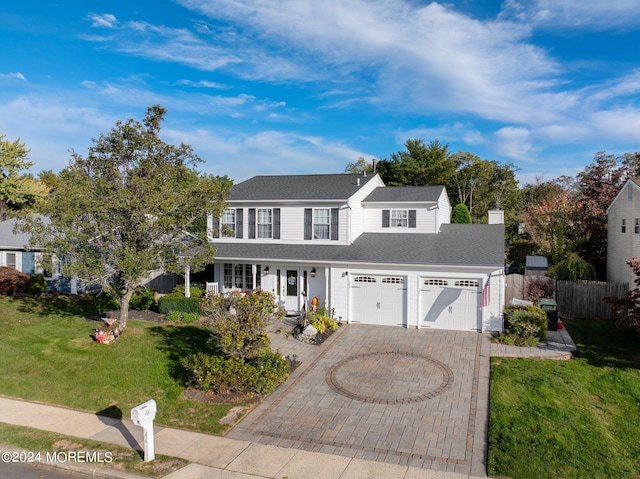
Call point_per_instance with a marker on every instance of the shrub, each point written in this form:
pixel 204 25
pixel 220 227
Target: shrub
pixel 36 284
pixel 195 291
pixel 271 369
pixel 526 325
pixel 142 299
pixel 238 321
pixel 321 321
pixel 177 302
pixel 12 281
pixel 538 287
pixel 233 374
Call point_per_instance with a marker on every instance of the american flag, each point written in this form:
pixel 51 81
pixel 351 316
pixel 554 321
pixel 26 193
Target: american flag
pixel 485 300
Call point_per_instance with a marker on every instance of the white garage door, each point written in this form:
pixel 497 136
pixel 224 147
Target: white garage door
pixel 447 303
pixel 377 299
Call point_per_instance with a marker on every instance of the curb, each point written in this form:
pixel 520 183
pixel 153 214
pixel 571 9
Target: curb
pixel 94 471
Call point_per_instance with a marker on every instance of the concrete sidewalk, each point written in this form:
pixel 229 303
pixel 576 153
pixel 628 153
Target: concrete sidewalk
pixel 558 345
pixel 211 457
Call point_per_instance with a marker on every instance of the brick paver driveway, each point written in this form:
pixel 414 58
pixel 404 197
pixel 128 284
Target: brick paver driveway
pixel 405 396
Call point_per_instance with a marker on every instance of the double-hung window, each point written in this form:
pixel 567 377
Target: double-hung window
pixel 265 223
pixel 399 218
pixel 321 223
pixel 229 223
pixel 623 229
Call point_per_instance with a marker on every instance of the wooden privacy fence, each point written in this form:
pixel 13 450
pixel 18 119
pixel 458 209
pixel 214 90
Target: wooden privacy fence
pixel 576 299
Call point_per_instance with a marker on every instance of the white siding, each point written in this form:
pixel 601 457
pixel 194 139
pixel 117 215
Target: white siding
pixel 356 210
pixel 443 210
pixel 426 218
pixel 622 247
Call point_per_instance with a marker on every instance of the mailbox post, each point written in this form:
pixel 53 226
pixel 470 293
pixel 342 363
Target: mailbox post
pixel 143 415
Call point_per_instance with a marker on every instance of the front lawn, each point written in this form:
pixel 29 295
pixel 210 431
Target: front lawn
pixel 569 419
pixel 48 355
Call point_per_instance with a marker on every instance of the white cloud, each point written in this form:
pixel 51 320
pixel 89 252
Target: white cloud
pixel 513 142
pixel 592 14
pixel 17 75
pixel 243 155
pixel 105 20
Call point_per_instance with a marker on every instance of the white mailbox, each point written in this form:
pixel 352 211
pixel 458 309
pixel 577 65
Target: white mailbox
pixel 143 415
pixel 145 412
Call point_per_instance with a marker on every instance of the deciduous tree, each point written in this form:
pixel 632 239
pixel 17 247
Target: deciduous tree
pixel 126 209
pixel 629 305
pixel 18 189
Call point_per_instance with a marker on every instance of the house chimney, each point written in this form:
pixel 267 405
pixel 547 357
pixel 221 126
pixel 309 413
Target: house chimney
pixel 496 216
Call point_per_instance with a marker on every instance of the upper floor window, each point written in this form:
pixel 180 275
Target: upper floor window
pixel 624 226
pixel 636 226
pixel 228 222
pixel 265 223
pixel 321 223
pixel 398 218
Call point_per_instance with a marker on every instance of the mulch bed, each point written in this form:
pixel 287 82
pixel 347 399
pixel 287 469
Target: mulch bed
pixel 210 397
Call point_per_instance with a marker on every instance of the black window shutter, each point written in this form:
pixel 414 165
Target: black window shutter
pixel 308 223
pixel 412 218
pixel 252 223
pixel 334 223
pixel 239 224
pixel 276 223
pixel 215 228
pixel 386 218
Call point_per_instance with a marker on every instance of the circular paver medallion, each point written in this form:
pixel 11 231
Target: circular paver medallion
pixel 390 377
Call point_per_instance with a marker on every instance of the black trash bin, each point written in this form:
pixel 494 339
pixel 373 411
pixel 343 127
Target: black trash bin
pixel 552 320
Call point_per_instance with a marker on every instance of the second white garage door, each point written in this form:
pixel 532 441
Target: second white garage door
pixel 377 299
pixel 448 303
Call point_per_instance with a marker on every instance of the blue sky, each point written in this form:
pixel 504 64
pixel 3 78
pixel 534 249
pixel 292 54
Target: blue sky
pixel 301 86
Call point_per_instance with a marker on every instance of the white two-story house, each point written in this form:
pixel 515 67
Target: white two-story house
pixel 370 253
pixel 623 233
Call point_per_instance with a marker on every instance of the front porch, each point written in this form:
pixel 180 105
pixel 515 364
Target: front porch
pixel 293 285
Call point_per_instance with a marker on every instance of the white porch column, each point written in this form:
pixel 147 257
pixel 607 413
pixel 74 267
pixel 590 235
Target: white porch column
pixel 187 282
pixel 326 290
pixel 254 269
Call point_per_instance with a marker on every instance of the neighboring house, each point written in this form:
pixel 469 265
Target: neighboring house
pixel 371 254
pixel 623 233
pixel 14 252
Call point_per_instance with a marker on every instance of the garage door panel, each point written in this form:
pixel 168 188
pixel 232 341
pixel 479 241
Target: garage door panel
pixel 378 299
pixel 447 303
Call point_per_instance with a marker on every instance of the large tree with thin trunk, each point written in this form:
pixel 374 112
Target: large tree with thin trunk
pixel 128 208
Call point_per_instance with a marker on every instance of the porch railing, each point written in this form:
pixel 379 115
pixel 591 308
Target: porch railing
pixel 211 288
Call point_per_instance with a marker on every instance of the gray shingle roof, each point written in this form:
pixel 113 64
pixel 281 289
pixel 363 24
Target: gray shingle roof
pixel 9 240
pixel 298 187
pixel 405 193
pixel 455 245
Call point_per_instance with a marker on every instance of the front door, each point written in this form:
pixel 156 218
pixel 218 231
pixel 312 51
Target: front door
pixel 291 291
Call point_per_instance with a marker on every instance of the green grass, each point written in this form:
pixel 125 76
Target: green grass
pixel 37 441
pixel 569 419
pixel 48 355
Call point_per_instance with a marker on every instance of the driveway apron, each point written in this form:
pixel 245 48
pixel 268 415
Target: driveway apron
pixel 402 396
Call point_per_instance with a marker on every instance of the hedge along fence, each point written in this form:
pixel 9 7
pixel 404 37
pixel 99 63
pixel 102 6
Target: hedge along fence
pixel 575 299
